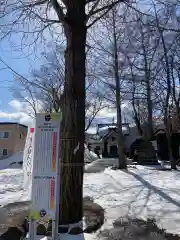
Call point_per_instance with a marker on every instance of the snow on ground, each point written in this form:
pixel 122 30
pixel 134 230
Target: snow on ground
pixel 140 192
pixel 11 186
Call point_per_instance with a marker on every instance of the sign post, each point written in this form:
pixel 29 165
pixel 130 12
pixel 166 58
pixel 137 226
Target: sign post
pixel 45 173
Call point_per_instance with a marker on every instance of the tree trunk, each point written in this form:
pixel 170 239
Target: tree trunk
pixel 175 97
pixel 149 104
pixel 121 155
pixel 168 94
pixel 122 159
pixel 73 117
pixel 168 136
pixel 136 119
pixel 148 90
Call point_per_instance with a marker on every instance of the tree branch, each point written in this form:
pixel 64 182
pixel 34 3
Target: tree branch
pixel 93 7
pixel 37 3
pixel 106 8
pixel 94 114
pixel 58 9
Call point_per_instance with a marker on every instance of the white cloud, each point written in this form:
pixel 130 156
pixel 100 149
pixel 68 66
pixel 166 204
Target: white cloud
pixel 21 117
pixel 108 112
pixel 22 112
pixel 27 106
pixel 17 105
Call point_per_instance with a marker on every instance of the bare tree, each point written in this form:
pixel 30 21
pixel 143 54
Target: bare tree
pixel 75 17
pixel 168 89
pixel 122 159
pixel 175 76
pixel 142 45
pixel 136 100
pixel 108 74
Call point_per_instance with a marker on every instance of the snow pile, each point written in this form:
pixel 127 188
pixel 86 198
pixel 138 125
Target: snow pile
pixel 101 164
pixel 17 157
pixel 11 186
pixel 89 156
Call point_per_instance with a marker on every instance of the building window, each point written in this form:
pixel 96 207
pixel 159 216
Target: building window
pixel 113 138
pixel 4 135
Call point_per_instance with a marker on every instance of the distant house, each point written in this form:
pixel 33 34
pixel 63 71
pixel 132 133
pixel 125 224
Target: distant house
pixel 105 141
pixel 12 138
pixel 110 140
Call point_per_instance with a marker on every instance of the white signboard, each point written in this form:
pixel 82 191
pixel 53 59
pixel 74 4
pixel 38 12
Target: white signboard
pixel 45 167
pixel 27 161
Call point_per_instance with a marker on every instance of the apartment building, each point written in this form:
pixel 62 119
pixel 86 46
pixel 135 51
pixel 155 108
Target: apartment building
pixel 12 138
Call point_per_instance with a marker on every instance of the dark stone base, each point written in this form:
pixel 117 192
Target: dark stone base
pixel 13 233
pixel 136 229
pixel 93 215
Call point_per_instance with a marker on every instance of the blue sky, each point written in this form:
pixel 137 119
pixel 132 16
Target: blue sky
pixel 10 109
pixel 6 80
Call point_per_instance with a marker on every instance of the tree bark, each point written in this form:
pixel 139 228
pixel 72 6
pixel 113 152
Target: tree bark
pixel 166 106
pixel 148 90
pixel 122 159
pixel 136 118
pixel 169 144
pixel 175 95
pixel 149 104
pixel 73 116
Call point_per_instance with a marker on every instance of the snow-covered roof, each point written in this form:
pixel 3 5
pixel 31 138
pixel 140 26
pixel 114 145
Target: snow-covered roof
pixel 104 130
pixel 95 141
